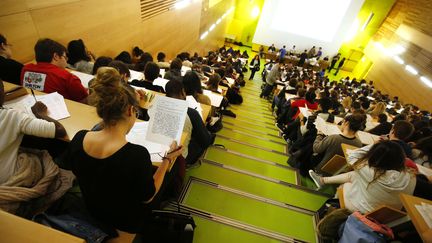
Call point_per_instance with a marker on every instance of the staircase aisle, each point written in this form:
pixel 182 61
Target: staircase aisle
pixel 244 191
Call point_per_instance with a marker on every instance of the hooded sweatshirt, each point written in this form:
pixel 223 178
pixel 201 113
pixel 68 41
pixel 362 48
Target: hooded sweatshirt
pixel 366 196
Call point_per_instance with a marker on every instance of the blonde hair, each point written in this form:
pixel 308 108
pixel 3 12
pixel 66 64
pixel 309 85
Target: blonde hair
pixel 378 109
pixel 346 102
pixel 110 96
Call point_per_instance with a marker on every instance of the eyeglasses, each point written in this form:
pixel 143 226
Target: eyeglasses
pixel 137 112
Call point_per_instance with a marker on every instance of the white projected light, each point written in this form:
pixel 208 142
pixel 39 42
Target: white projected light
pixel 204 35
pixel 426 81
pixel 398 60
pixel 411 69
pixel 182 4
pixel 306 17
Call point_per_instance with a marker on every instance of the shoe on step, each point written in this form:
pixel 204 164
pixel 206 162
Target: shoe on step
pixel 316 178
pixel 229 113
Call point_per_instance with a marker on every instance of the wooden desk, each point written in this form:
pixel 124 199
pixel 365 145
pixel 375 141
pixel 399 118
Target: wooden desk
pixel 346 147
pixel 14 229
pixel 409 203
pixel 82 116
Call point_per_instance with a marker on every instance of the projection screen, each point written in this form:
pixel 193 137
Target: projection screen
pixel 306 23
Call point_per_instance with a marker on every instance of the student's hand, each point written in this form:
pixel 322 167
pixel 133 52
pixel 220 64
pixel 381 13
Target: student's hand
pixel 141 93
pixel 383 138
pixel 39 109
pixel 174 151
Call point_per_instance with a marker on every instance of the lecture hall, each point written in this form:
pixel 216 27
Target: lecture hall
pixel 213 121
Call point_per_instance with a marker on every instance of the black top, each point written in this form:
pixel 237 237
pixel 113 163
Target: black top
pixel 148 85
pixel 381 129
pixel 10 70
pixel 114 188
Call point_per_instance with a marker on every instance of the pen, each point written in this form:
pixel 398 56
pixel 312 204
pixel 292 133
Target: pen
pixel 33 94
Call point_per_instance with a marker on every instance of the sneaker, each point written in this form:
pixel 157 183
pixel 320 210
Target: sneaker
pixel 280 127
pixel 194 165
pixel 229 113
pixel 316 178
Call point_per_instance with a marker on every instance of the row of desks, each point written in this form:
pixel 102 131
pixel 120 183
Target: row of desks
pixel 85 117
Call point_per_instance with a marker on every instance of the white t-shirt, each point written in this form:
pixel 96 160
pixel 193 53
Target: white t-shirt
pixel 13 126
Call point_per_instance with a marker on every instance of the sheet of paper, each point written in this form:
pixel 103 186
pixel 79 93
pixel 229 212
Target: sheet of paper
pixel 216 99
pixel 338 119
pixel 55 103
pixel 230 81
pixel 367 138
pixel 160 82
pixel 167 118
pixel 325 127
pixel 424 170
pixel 136 75
pixel 305 112
pixel 84 77
pixel 137 135
pixel 192 103
pixel 289 96
pixel 162 72
pixel 184 69
pixel 425 211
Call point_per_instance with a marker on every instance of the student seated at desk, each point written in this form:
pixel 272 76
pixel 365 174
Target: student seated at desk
pixel 213 83
pixel 325 147
pixel 378 178
pixel 201 138
pixel 101 62
pixel 161 61
pixel 49 74
pixel 174 73
pixel 10 70
pixel 145 58
pixel 118 182
pixel 151 72
pixel 192 86
pixel 25 174
pixel 79 58
pixel 383 127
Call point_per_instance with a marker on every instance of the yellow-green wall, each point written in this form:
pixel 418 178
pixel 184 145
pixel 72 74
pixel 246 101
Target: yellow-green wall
pixel 243 24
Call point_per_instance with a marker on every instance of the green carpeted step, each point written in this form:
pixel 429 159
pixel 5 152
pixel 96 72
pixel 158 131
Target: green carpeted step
pixel 292 195
pixel 241 113
pixel 253 121
pixel 214 232
pixel 253 132
pixel 253 140
pixel 249 124
pixel 252 109
pixel 252 151
pixel 273 218
pixel 255 166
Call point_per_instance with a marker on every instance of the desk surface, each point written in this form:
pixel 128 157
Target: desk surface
pixel 346 147
pixel 14 229
pixel 82 116
pixel 409 203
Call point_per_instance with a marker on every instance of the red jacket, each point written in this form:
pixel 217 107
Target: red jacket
pixel 49 78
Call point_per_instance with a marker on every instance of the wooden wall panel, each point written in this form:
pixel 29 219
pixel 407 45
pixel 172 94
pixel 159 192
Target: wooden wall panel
pixel 37 4
pixel 12 6
pixel 392 78
pixel 21 33
pixel 107 27
pixel 408 25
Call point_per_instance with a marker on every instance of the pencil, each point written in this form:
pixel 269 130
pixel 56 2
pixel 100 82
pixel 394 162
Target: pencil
pixel 34 96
